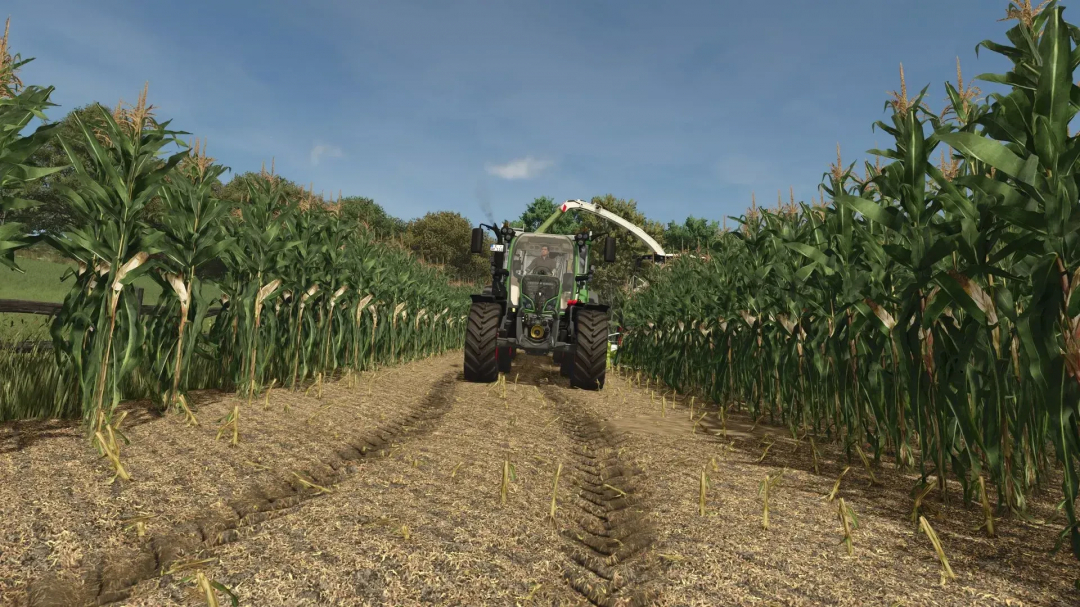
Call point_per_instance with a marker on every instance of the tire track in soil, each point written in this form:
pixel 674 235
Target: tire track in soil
pixel 197 539
pixel 610 529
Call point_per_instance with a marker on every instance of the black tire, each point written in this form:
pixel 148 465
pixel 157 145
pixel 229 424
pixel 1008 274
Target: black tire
pixel 481 333
pixel 505 356
pixel 590 350
pixel 556 357
pixel 566 364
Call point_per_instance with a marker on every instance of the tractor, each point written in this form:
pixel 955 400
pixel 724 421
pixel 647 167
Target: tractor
pixel 539 301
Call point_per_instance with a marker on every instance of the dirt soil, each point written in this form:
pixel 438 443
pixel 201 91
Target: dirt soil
pixel 388 489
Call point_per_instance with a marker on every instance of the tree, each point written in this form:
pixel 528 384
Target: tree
pixel 539 210
pixel 52 214
pixel 18 108
pixel 236 191
pixel 610 280
pixel 364 210
pixel 355 209
pixel 443 238
pixel 692 234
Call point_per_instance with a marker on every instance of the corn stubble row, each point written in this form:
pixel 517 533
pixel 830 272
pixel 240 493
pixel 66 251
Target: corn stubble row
pixel 305 293
pixel 927 311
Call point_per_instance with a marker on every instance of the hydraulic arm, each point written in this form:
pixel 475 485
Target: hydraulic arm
pixel 569 205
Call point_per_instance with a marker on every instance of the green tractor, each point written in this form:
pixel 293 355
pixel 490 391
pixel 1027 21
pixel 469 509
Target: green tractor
pixel 539 302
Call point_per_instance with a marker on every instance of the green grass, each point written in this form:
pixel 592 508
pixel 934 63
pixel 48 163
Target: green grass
pixel 40 281
pixel 20 327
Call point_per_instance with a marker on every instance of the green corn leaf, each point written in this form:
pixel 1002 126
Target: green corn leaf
pixel 995 155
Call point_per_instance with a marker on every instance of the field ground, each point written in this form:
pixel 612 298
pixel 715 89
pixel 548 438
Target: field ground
pixel 387 491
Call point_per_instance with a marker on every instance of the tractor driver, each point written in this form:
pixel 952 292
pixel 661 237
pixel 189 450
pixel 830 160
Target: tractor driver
pixel 545 263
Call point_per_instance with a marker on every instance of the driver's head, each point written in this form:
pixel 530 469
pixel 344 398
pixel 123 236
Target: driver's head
pixel 543 251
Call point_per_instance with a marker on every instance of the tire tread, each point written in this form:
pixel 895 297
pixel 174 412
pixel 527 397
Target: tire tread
pixel 590 351
pixel 481 333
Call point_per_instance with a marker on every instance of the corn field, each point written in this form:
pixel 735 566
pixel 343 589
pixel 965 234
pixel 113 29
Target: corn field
pixel 924 310
pixel 305 294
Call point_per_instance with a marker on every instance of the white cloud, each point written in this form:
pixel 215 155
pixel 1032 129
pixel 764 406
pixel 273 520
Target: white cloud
pixel 522 168
pixel 322 149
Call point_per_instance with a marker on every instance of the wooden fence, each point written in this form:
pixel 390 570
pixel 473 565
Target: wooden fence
pixel 45 308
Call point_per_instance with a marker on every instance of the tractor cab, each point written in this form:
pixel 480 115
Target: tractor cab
pixel 542 270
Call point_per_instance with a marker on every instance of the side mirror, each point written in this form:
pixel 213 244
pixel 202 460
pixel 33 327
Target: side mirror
pixel 477 245
pixel 609 249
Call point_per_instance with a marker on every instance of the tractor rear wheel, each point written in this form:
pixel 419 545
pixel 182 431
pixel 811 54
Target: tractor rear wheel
pixel 590 351
pixel 481 363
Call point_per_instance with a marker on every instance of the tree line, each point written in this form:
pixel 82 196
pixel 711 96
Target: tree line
pixel 440 237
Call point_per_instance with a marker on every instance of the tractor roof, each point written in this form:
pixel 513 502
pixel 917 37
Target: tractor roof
pixel 551 240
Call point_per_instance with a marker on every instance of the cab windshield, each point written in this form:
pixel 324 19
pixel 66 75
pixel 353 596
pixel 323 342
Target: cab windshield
pixel 542 255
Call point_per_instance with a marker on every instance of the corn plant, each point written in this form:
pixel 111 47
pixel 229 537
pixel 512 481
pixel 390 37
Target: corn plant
pixel 303 278
pixel 111 244
pixel 18 106
pixel 305 292
pixel 924 310
pixel 261 335
pixel 262 233
pixel 191 236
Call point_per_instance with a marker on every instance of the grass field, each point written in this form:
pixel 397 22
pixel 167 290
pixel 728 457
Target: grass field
pixel 39 281
pixel 42 280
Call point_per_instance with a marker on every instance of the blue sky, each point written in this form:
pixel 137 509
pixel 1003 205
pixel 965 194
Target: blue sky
pixel 686 107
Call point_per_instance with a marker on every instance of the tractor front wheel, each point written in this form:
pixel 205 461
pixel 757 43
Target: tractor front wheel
pixel 481 362
pixel 590 350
